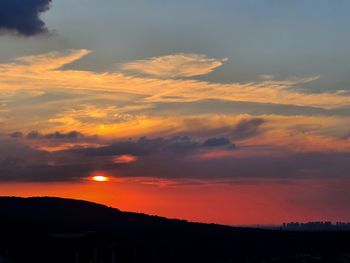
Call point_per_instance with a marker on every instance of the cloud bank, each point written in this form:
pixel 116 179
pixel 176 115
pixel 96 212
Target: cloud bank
pixel 23 16
pixel 198 129
pixel 176 158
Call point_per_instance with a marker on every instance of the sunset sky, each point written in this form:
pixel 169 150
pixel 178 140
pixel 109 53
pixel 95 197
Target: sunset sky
pixel 224 111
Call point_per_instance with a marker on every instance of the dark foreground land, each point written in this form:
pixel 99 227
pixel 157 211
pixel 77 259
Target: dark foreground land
pixel 61 230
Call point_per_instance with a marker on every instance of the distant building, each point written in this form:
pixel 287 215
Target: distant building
pixel 316 226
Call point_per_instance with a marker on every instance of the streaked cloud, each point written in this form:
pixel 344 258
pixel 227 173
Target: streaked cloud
pixel 174 66
pixel 43 73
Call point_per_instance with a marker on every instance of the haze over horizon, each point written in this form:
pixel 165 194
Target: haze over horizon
pixel 231 112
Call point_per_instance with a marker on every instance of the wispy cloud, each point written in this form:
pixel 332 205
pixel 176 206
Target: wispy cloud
pixel 43 73
pixel 174 66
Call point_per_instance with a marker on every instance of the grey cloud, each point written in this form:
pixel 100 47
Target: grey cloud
pixel 145 146
pixel 19 162
pixel 167 158
pixel 17 135
pixel 215 142
pixel 72 135
pixel 247 128
pixel 294 166
pixel 241 107
pixel 45 173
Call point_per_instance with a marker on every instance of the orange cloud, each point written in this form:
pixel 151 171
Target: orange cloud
pixel 173 66
pixel 126 158
pixel 32 76
pixel 43 72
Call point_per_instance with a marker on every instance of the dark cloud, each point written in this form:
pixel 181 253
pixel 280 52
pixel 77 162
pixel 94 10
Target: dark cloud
pixel 346 136
pixel 215 142
pixel 11 162
pixel 298 166
pixel 23 16
pixel 44 173
pixel 168 158
pixel 145 146
pixel 247 128
pixel 19 162
pixel 55 136
pixel 17 135
pixel 72 135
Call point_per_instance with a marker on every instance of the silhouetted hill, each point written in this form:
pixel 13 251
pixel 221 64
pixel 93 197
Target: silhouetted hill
pixel 63 230
pixel 48 214
pixel 59 214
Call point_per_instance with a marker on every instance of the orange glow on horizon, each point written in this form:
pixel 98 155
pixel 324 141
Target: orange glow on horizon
pixel 254 203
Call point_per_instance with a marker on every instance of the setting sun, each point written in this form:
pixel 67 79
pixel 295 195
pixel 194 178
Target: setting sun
pixel 100 178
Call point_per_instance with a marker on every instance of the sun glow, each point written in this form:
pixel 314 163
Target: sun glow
pixel 100 178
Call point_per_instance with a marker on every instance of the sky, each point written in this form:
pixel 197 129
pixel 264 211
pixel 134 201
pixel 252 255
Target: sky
pixel 227 111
